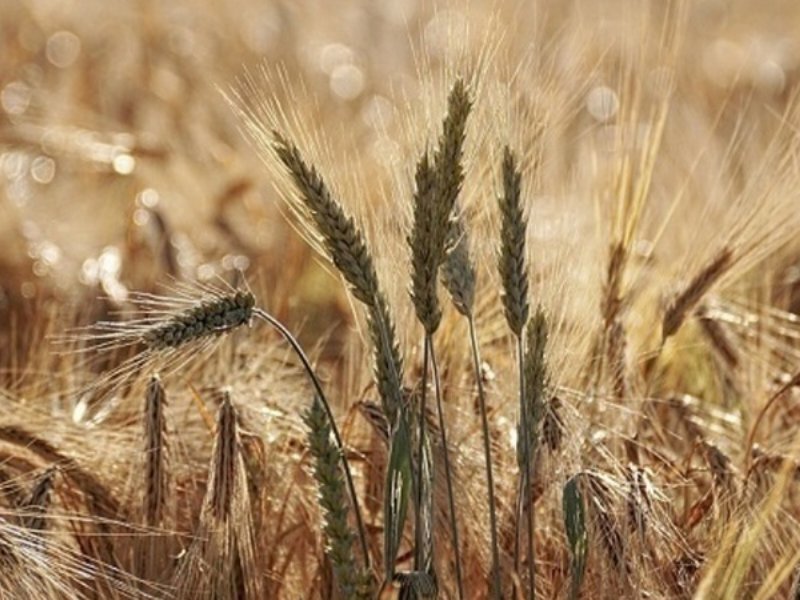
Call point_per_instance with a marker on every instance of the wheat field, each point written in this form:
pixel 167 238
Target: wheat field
pixel 403 299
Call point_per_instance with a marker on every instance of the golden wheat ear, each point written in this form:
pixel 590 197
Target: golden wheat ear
pixel 221 559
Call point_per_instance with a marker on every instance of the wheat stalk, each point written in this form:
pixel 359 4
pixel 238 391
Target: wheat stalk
pixel 458 275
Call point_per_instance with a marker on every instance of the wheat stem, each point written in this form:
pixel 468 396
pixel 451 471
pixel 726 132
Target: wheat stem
pixel 487 451
pixel 447 470
pixel 418 541
pixel 287 335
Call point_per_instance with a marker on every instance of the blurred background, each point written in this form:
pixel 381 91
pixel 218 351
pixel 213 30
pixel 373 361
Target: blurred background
pixel 121 163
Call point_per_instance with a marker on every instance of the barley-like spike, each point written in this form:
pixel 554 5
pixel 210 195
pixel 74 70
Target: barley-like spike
pixel 438 184
pixel 458 271
pixel 447 159
pixel 638 500
pixel 513 270
pixel 536 382
pixel 352 582
pixel 427 247
pixel 156 473
pixel 208 318
pixel 343 241
pixel 221 560
pixel 683 303
pixel 224 461
pixel 34 507
pixel 348 251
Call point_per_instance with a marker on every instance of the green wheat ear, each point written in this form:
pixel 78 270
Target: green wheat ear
pixel 353 582
pixel 577 536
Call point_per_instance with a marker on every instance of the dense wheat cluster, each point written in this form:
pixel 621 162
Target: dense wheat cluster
pixel 400 300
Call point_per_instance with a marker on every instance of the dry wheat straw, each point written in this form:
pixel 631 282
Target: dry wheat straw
pixel 353 583
pixel 684 302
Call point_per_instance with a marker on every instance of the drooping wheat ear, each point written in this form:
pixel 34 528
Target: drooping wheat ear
pixel 352 581
pixel 427 247
pixel 34 507
pixel 348 251
pixel 220 562
pixel 155 447
pixel 208 318
pixel 513 270
pixel 683 303
pixel 458 271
